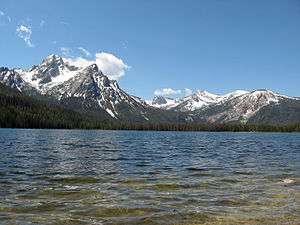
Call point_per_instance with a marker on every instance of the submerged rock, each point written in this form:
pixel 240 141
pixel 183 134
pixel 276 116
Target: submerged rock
pixel 288 181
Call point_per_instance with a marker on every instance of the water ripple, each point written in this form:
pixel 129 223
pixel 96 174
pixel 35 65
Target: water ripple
pixel 128 177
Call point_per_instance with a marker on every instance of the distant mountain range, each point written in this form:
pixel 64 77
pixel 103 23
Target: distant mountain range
pixel 87 89
pixel 259 106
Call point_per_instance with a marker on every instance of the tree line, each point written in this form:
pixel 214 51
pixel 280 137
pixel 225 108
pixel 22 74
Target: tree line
pixel 20 111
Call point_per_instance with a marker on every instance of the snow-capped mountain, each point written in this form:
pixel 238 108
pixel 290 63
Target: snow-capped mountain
pixel 58 78
pixel 86 88
pixel 12 79
pixel 51 72
pixel 234 94
pixel 163 102
pixel 238 106
pixel 198 100
pixel 242 107
pixel 193 102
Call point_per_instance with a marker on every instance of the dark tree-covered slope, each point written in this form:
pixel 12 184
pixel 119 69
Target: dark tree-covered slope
pixel 17 110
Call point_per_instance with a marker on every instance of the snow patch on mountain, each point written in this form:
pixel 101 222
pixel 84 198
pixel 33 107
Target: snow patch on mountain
pixel 111 113
pixel 53 71
pixel 234 94
pixel 193 102
pixel 163 102
pixel 243 107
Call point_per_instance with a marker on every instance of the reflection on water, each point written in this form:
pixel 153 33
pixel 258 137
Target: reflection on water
pixel 127 177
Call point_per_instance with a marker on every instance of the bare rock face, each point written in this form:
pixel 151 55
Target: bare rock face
pixel 159 100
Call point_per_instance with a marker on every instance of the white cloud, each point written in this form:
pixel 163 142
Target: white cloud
pixel 4 18
pixel 84 51
pixel 125 45
pixel 173 92
pixel 24 32
pixel 79 61
pixel 109 64
pixel 64 23
pixel 167 92
pixel 66 51
pixel 42 23
pixel 188 91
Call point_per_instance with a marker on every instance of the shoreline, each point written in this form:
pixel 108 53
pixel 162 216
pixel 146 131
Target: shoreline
pixel 281 130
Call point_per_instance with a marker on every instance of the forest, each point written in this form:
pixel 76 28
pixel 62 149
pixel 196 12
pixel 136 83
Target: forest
pixel 21 111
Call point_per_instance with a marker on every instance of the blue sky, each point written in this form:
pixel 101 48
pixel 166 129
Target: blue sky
pixel 214 45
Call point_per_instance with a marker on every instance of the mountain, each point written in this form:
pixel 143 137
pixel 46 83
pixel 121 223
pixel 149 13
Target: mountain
pixel 87 91
pixel 13 79
pixel 22 111
pixel 163 102
pixel 259 106
pixel 193 102
pixel 285 111
pixel 203 99
pixel 246 107
pixel 80 88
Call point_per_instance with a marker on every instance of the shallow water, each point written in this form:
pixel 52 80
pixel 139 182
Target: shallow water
pixel 128 177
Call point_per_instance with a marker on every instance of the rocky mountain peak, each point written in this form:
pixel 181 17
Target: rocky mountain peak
pixel 92 69
pixel 3 69
pixel 159 100
pixel 53 61
pixel 264 95
pixel 206 95
pixel 163 102
pixel 49 68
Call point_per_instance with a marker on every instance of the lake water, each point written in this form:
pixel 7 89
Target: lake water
pixel 135 177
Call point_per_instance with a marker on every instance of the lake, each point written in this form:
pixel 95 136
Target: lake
pixel 140 177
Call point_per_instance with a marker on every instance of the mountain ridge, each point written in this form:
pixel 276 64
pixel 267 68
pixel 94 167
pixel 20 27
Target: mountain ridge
pixel 87 89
